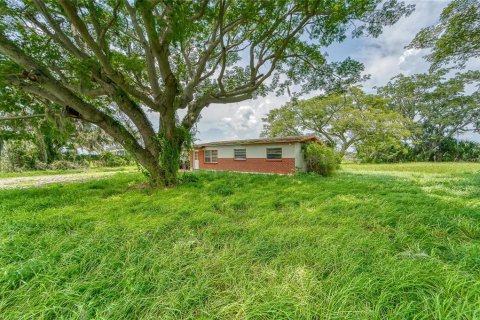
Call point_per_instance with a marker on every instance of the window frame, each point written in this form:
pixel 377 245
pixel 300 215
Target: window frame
pixel 238 149
pixel 211 157
pixel 274 159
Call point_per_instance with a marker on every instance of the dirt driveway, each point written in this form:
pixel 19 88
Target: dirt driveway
pixel 37 181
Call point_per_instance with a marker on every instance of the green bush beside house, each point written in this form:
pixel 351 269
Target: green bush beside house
pixel 321 159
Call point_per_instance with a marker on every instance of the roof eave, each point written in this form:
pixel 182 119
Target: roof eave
pixel 248 143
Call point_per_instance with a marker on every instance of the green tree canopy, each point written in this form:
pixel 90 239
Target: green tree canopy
pixel 437 106
pixel 456 38
pixel 342 119
pixel 27 118
pixel 107 62
pixel 23 117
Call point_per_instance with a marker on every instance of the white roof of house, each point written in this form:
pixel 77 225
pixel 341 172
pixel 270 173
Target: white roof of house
pixel 291 139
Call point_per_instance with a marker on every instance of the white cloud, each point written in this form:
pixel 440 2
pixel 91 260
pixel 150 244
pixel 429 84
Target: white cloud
pixel 244 120
pixel 386 56
pixel 407 53
pixel 236 120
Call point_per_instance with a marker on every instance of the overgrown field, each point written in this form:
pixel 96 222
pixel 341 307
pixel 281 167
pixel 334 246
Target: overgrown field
pixel 368 243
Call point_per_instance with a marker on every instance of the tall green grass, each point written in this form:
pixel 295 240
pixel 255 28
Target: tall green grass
pixel 418 167
pixel 237 246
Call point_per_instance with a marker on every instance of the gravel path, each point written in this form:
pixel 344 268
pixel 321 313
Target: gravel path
pixel 37 181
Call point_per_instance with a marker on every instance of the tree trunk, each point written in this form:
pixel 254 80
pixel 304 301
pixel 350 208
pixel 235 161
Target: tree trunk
pixel 155 174
pixel 171 140
pixel 344 148
pixel 342 152
pixel 162 168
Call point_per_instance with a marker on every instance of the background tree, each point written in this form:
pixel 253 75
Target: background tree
pixel 101 58
pixel 32 120
pixel 459 150
pixel 40 134
pixel 456 38
pixel 343 120
pixel 439 108
pixel 91 138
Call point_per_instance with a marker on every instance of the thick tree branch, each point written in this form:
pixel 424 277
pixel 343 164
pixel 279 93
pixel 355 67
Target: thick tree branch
pixel 160 46
pixel 59 34
pixel 42 115
pixel 44 85
pixel 116 76
pixel 150 60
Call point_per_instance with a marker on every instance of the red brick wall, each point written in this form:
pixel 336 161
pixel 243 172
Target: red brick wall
pixel 284 166
pixel 191 160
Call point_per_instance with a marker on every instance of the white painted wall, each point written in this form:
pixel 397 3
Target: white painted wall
pixel 293 150
pixel 255 151
pixel 299 160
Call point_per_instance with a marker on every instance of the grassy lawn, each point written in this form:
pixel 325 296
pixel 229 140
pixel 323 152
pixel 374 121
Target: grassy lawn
pixel 368 243
pixel 418 167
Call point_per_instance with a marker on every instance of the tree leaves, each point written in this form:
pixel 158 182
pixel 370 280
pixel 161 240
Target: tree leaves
pixel 343 120
pixel 456 38
pixel 108 59
pixel 438 106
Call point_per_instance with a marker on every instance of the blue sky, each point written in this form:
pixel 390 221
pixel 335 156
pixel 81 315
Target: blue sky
pixel 383 57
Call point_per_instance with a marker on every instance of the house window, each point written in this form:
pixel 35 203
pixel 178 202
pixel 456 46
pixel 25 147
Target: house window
pixel 274 153
pixel 211 156
pixel 239 154
pixel 195 155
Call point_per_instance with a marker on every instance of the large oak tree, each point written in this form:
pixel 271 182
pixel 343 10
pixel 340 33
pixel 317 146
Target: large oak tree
pixel 437 105
pixel 109 62
pixel 343 120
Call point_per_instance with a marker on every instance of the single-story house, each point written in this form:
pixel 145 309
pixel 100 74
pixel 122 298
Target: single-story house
pixel 283 155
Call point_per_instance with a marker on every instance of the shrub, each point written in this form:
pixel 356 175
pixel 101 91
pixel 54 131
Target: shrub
pixel 187 178
pixel 19 155
pixel 457 150
pixel 321 159
pixel 66 165
pixel 109 159
pixel 383 152
pixel 39 165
